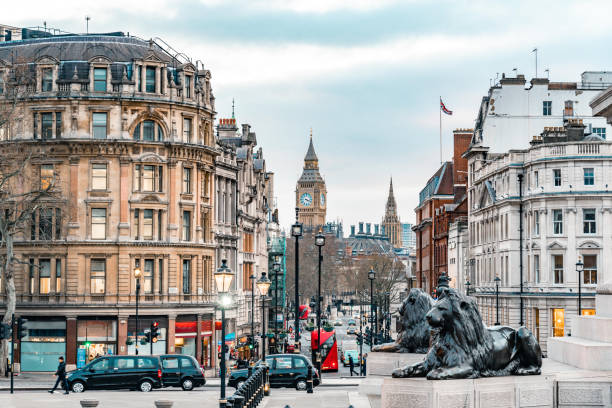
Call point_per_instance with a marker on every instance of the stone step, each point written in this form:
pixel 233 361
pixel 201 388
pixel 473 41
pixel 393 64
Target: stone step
pixel 580 352
pixel 596 328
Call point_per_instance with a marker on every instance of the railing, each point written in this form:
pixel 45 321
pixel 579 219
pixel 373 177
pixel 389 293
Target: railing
pixel 252 391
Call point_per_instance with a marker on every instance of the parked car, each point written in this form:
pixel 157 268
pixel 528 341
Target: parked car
pixel 286 370
pixel 181 371
pixel 115 372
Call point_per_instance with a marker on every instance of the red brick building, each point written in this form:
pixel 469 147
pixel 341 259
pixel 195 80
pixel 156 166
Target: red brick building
pixel 441 201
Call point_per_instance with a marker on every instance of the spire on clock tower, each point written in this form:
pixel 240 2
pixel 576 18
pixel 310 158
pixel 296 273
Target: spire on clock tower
pixel 391 222
pixel 311 193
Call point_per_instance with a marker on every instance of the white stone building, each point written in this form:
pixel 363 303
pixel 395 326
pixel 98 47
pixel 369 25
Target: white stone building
pixel 458 253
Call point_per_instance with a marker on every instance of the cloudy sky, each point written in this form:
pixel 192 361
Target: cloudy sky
pixel 366 75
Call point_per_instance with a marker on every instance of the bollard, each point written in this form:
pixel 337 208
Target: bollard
pixel 89 403
pixel 163 404
pixel 309 388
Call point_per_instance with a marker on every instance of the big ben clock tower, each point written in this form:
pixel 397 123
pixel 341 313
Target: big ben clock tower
pixel 310 192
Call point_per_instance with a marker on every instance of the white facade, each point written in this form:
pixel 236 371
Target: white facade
pixel 511 114
pixel 458 254
pixel 567 214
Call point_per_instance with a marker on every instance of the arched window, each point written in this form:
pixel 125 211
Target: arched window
pixel 149 130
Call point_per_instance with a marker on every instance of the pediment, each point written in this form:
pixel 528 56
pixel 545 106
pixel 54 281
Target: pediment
pixel 535 246
pixel 47 60
pixel 100 59
pixel 188 67
pixel 589 244
pixel 556 245
pixel 151 158
pixel 151 198
pixel 152 57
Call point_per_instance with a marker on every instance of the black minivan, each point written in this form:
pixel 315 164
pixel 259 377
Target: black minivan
pixel 181 371
pixel 114 372
pixel 286 370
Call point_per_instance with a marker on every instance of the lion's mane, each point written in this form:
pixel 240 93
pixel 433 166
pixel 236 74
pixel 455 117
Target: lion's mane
pixel 414 336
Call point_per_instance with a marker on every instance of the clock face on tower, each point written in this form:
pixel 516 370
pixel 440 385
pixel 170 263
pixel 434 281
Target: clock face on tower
pixel 322 199
pixel 306 199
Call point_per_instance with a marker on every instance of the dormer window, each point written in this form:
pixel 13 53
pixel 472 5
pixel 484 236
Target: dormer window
pixel 148 130
pixel 47 80
pixel 187 86
pixel 99 79
pixel 150 80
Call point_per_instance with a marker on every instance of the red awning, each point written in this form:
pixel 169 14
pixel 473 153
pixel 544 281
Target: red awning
pixel 188 329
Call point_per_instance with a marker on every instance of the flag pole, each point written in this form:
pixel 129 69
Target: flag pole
pixel 440 113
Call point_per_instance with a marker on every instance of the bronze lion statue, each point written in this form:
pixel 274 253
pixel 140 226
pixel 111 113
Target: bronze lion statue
pixel 464 348
pixel 414 334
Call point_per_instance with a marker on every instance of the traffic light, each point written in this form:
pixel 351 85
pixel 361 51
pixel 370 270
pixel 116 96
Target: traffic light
pixel 154 333
pixel 359 338
pixel 22 328
pixel 250 342
pixel 5 331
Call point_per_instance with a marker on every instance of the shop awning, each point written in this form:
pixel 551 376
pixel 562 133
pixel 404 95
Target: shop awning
pixel 188 329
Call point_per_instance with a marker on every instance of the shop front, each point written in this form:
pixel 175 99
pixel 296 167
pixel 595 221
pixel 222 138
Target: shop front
pixel 95 338
pixel 185 338
pixel 144 326
pixel 44 344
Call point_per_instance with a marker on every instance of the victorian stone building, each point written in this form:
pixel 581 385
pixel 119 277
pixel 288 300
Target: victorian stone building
pixel 126 127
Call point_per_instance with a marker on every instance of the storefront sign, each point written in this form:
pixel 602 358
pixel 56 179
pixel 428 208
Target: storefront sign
pixel 80 357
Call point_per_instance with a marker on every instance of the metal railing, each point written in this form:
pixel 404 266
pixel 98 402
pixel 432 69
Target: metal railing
pixel 252 391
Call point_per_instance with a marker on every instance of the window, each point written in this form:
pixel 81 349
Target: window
pixel 150 84
pixel 44 276
pixel 99 125
pixel 187 362
pixel 187 130
pixel 140 78
pixel 148 178
pixel 159 225
pixel 31 274
pixel 46 176
pixel 98 276
pixel 547 108
pixel 589 176
pixel 58 276
pixel 148 276
pixel 558 316
pixel 557 269
pixel 590 270
pixel 536 268
pixel 47 80
pixel 569 108
pixel 170 362
pixel 601 132
pixel 146 131
pixel 58 124
pixel 100 79
pixel 98 223
pixel 187 86
pixel 136 223
pixel 102 365
pixel 186 276
pixel 536 178
pixel 588 221
pixel 58 223
pixel 536 223
pixel 557 222
pixel 299 363
pixel 187 180
pixel 45 224
pixel 283 363
pixel 125 363
pixel 35 126
pixel 557 177
pixel 186 225
pixel 47 125
pixel 147 227
pixel 160 275
pixel 98 176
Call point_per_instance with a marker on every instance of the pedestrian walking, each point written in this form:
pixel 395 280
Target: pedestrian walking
pixel 61 376
pixel 352 366
pixel 363 364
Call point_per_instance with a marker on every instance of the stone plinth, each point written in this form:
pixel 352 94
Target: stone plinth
pixel 499 392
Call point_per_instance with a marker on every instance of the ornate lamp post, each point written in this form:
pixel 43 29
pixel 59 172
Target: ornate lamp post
pixel 371 277
pixel 252 277
pixel 319 242
pixel 467 287
pixel 296 232
pixel 277 268
pixel 223 281
pixel 137 275
pixel 263 284
pixel 579 268
pixel 497 280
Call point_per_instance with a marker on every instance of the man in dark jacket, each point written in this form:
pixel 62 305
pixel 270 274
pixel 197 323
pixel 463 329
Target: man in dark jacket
pixel 61 376
pixel 352 365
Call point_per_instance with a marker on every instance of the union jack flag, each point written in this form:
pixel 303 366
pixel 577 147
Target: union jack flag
pixel 443 108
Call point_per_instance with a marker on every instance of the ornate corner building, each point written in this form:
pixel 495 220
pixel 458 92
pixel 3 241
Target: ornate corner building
pixel 126 128
pixel 311 193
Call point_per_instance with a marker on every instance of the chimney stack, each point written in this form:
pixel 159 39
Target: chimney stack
pixel 360 227
pixel 375 229
pixel 352 230
pixel 368 228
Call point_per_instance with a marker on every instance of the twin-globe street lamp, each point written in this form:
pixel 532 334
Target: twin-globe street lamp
pixel 296 232
pixel 497 280
pixel 371 277
pixel 263 284
pixel 277 268
pixel 579 268
pixel 223 280
pixel 319 242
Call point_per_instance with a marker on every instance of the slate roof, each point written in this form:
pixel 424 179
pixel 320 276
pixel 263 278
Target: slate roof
pixel 310 154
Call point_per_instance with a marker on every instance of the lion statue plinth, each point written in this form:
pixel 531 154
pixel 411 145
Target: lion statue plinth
pixel 414 334
pixel 464 348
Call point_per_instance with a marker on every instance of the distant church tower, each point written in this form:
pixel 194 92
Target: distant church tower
pixel 310 193
pixel 391 222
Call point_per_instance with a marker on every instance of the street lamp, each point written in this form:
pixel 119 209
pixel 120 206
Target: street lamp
pixel 263 284
pixel 296 232
pixel 319 242
pixel 371 277
pixel 223 280
pixel 467 287
pixel 579 268
pixel 252 277
pixel 137 275
pixel 497 280
pixel 277 268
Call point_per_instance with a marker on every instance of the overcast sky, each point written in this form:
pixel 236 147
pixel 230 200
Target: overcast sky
pixel 366 75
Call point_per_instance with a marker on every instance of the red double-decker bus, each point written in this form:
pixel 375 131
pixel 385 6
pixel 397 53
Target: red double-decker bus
pixel 304 310
pixel 329 349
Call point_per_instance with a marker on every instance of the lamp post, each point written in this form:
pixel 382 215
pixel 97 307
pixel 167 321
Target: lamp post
pixel 276 267
pixel 319 242
pixel 137 275
pixel 223 281
pixel 371 277
pixel 252 277
pixel 296 232
pixel 520 181
pixel 467 287
pixel 579 268
pixel 263 284
pixel 497 280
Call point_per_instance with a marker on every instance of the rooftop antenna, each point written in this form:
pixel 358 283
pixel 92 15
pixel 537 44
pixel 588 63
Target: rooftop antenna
pixel 45 25
pixel 87 18
pixel 515 72
pixel 233 107
pixel 547 73
pixel 535 50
